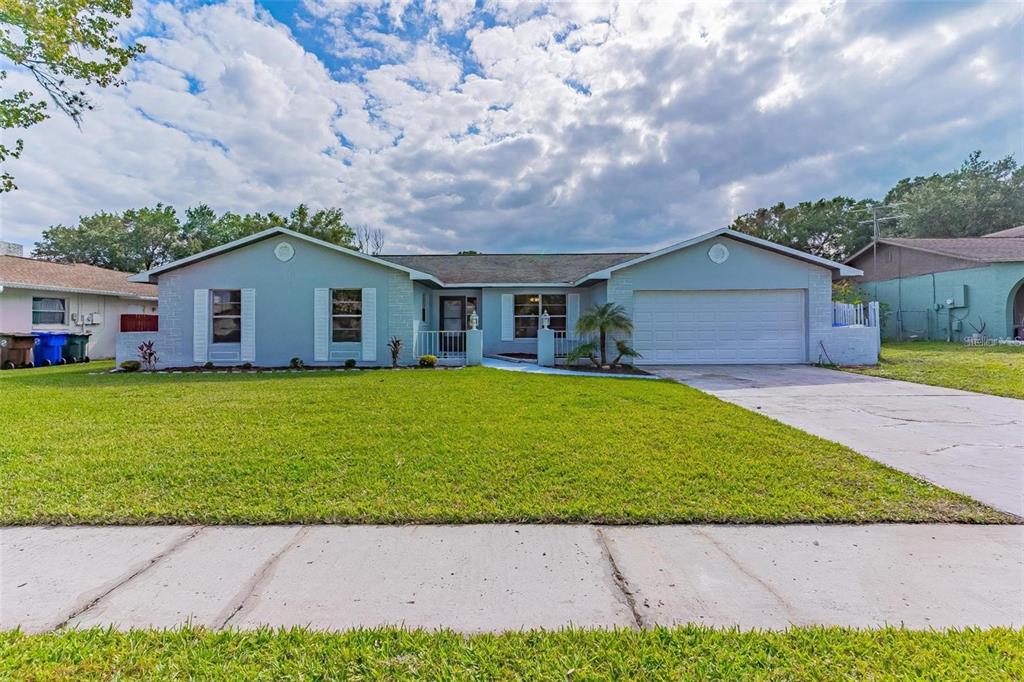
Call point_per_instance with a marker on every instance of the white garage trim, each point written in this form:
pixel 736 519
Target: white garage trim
pixel 720 327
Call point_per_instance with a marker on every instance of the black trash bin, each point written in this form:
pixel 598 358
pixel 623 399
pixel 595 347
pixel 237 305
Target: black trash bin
pixel 75 350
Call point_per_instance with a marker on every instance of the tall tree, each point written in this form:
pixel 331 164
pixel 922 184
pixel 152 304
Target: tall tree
pixel 977 198
pixel 828 227
pixel 139 239
pixel 132 241
pixel 61 43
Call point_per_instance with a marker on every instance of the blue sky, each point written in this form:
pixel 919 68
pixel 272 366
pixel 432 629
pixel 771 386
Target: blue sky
pixel 508 126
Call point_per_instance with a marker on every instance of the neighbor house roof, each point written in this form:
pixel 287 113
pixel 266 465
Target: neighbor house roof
pixel 512 268
pixel 981 249
pixel 1011 233
pixel 17 272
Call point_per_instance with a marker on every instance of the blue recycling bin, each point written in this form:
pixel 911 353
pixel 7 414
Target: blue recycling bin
pixel 48 348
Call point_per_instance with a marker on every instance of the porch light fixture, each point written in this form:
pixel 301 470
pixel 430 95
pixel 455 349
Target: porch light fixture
pixel 545 320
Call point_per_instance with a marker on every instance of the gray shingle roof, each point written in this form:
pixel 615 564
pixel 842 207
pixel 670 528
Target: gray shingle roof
pixel 1013 232
pixel 505 268
pixel 982 249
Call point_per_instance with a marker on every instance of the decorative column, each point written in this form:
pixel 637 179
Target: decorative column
pixel 474 341
pixel 545 342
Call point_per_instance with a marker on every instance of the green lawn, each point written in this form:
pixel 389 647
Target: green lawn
pixel 998 370
pixel 468 445
pixel 389 654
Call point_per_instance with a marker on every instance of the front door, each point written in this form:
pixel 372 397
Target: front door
pixel 453 313
pixel 453 319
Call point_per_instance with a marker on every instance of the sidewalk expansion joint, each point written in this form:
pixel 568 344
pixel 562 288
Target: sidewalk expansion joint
pixel 153 561
pixel 237 603
pixel 621 583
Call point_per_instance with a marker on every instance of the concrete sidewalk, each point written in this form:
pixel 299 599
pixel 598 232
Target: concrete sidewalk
pixel 502 577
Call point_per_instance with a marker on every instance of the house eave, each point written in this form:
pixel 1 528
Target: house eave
pixel 76 290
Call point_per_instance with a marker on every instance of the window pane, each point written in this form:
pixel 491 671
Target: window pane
pixel 346 301
pixel 227 301
pixel 346 329
pixel 554 299
pixel 48 304
pixel 526 327
pixel 227 330
pixel 47 317
pixel 558 323
pixel 527 304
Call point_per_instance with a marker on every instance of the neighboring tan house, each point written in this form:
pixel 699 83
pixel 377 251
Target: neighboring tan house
pixel 37 295
pixel 946 288
pixel 722 297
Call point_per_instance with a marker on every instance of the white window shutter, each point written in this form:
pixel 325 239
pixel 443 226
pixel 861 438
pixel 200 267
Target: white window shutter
pixel 248 345
pixel 572 314
pixel 321 323
pixel 369 325
pixel 200 325
pixel 507 319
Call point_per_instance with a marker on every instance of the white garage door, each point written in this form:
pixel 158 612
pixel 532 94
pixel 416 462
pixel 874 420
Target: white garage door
pixel 719 327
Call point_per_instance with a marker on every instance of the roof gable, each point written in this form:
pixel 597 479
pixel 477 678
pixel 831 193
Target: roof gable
pixel 152 274
pixel 840 268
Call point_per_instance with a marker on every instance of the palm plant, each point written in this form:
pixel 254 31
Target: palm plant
pixel 624 350
pixel 604 319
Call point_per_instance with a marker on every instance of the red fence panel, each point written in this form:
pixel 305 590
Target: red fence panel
pixel 140 323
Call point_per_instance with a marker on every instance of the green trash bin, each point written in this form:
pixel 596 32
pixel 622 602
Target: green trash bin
pixel 75 350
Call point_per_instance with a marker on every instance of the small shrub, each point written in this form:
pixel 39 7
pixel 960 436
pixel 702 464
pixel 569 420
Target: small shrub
pixel 296 363
pixel 428 360
pixel 208 365
pixel 246 365
pixel 350 363
pixel 583 351
pixel 148 355
pixel 395 346
pixel 131 365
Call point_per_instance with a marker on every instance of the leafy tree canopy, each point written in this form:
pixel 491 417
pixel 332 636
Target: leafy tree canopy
pixel 139 239
pixel 978 198
pixel 64 44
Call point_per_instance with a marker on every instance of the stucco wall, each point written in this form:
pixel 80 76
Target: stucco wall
pixel 922 301
pixel 284 301
pixel 16 315
pixel 490 315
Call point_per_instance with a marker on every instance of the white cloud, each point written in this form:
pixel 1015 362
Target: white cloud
pixel 576 125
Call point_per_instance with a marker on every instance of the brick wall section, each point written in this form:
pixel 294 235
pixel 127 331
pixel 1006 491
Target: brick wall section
pixel 173 313
pixel 400 314
pixel 843 345
pixel 620 292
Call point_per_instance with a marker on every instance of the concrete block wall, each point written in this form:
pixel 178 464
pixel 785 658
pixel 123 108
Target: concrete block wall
pixel 620 292
pixel 848 346
pixel 401 312
pixel 128 347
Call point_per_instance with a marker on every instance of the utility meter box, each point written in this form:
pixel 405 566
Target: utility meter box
pixel 959 295
pixel 94 318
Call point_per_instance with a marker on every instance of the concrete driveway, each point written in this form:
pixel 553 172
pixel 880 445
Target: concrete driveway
pixel 967 442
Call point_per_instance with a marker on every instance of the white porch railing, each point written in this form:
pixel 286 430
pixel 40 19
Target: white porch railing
pixel 448 347
pixel 855 314
pixel 565 345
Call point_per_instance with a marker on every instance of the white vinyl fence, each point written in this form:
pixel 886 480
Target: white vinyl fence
pixel 855 314
pixel 448 347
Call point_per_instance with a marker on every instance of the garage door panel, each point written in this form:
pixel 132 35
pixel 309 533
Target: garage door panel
pixel 680 327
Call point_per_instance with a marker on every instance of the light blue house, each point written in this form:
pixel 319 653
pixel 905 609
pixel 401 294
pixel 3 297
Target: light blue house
pixel 722 297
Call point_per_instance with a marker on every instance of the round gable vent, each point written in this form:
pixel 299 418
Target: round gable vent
pixel 284 252
pixel 718 253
